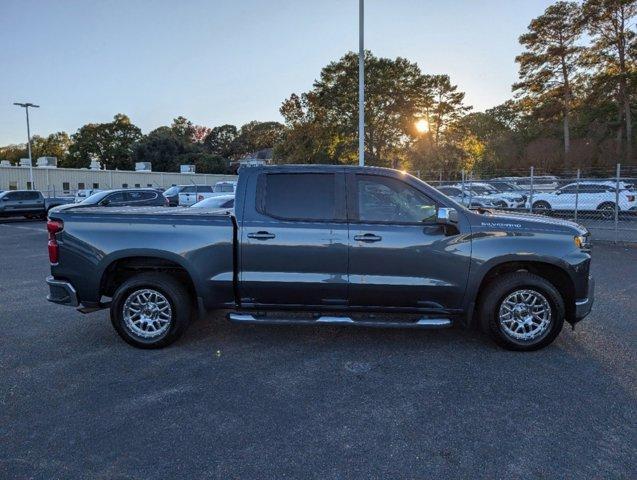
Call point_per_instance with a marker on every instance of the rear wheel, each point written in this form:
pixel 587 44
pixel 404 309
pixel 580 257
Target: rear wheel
pixel 522 311
pixel 151 310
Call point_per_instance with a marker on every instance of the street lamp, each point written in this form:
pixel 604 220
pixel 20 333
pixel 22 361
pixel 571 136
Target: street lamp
pixel 361 84
pixel 26 108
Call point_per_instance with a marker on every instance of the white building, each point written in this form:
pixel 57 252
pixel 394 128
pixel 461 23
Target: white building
pixel 57 181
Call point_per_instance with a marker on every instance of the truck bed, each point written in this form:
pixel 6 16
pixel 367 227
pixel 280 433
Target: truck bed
pixel 197 240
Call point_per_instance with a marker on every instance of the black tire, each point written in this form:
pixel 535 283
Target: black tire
pixel 499 289
pixel 178 298
pixel 607 210
pixel 541 206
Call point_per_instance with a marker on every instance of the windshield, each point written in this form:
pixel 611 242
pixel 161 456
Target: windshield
pixel 95 198
pixel 172 191
pixel 482 190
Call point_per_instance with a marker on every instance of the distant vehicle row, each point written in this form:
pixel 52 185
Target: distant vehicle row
pixel 28 203
pixel 186 195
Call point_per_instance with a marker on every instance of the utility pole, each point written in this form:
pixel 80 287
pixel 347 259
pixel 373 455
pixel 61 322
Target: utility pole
pixel 361 84
pixel 26 108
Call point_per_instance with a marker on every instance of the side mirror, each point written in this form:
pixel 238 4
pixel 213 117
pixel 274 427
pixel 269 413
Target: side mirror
pixel 105 203
pixel 5 199
pixel 447 216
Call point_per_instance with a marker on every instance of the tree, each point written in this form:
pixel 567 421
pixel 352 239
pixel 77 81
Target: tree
pixel 552 58
pixel 254 136
pixel 445 104
pixel 220 140
pixel 161 147
pixel 110 143
pixel 55 145
pixel 330 110
pixel 613 38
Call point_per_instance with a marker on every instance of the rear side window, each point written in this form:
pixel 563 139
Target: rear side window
pixel 117 197
pixel 31 196
pixel 299 196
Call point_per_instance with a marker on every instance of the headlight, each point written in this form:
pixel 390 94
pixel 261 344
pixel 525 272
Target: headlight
pixel 582 242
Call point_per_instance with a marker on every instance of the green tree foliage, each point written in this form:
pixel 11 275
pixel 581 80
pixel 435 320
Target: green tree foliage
pixel 220 141
pixel 445 104
pixel 254 136
pixel 552 59
pixel 613 56
pixel 55 145
pixel 111 143
pixel 162 147
pixel 323 123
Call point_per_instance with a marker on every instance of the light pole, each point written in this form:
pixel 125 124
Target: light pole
pixel 361 84
pixel 26 108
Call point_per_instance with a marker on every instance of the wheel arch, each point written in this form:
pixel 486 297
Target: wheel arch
pixel 552 271
pixel 127 264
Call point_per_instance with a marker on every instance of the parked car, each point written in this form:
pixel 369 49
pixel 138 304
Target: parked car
pixel 84 193
pixel 225 187
pixel 591 196
pixel 124 197
pixel 541 183
pixel 28 203
pixel 221 202
pixel 172 194
pixel 500 199
pixel 470 198
pixel 191 194
pixel 329 245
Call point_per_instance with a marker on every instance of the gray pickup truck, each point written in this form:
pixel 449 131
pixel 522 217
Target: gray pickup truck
pixel 324 245
pixel 28 203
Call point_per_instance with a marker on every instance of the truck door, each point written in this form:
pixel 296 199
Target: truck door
pixel 13 202
pixel 33 202
pixel 294 240
pixel 398 255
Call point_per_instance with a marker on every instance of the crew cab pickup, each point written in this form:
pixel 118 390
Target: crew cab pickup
pixel 28 203
pixel 359 246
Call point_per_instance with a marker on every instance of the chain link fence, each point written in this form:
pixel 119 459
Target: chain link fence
pixel 605 201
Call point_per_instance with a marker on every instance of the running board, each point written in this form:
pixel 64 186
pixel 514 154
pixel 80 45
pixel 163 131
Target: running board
pixel 430 323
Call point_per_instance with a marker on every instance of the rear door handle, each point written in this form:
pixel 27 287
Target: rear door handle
pixel 368 237
pixel 261 235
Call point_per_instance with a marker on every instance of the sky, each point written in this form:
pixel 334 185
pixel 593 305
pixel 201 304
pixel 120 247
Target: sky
pixel 224 61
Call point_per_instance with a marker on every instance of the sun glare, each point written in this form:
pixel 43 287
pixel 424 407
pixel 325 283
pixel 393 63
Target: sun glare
pixel 422 125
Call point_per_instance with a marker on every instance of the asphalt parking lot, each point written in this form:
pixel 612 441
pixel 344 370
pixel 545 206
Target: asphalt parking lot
pixel 246 402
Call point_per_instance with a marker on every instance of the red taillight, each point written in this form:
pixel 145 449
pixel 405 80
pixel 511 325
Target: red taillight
pixel 166 202
pixel 54 227
pixel 199 198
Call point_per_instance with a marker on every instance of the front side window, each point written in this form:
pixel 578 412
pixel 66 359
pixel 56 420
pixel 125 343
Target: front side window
pixel 300 196
pixel 388 200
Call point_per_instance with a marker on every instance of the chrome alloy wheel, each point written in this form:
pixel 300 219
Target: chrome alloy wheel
pixel 147 313
pixel 525 315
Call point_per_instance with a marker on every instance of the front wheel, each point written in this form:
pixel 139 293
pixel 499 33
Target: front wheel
pixel 541 207
pixel 151 310
pixel 522 311
pixel 607 210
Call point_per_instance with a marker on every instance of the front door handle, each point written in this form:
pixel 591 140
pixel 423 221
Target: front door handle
pixel 261 235
pixel 368 237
